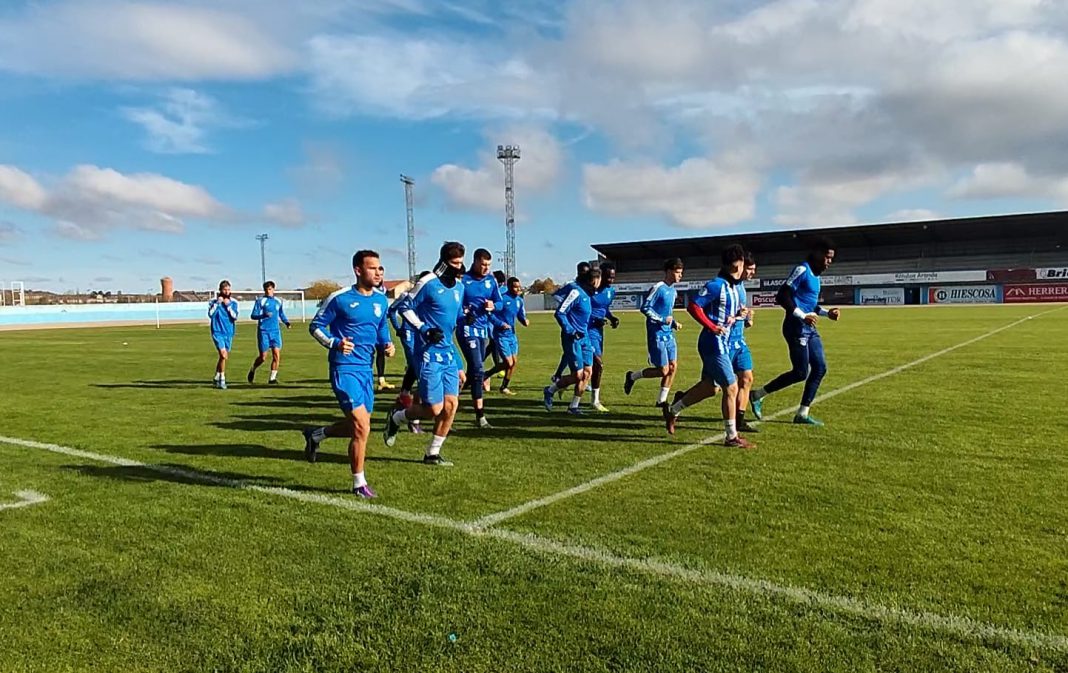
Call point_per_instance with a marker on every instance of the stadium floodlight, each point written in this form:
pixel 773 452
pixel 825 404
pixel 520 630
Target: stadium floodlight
pixel 509 155
pixel 262 238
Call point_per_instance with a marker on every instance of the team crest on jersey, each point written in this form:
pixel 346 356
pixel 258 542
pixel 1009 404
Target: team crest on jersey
pixel 489 284
pixel 456 295
pixel 378 310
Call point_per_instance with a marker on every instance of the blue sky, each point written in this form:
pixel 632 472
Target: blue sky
pixel 141 139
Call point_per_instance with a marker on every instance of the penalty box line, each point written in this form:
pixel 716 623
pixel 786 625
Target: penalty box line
pixel 519 510
pixel 964 628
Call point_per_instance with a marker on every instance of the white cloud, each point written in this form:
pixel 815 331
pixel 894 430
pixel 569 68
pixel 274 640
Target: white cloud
pixel 698 193
pixel 90 201
pixel 179 124
pixel 830 201
pixel 912 215
pixel 1006 180
pixel 482 188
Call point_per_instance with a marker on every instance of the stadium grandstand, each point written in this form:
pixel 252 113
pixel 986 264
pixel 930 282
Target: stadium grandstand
pixel 993 259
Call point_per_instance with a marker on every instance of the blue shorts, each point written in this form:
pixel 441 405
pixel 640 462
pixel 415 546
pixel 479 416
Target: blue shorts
pixel 741 358
pixel 596 337
pixel 578 353
pixel 268 340
pixel 439 376
pixel 716 362
pixel 507 344
pixel 662 348
pixel 353 387
pixel 223 342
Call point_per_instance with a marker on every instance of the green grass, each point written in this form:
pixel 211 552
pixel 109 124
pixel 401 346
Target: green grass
pixel 940 489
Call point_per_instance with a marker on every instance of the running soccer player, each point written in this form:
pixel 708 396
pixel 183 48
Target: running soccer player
pixel 581 269
pixel 600 313
pixel 800 296
pixel 352 323
pixel 270 315
pixel 573 314
pixel 660 328
pixel 434 306
pixel 491 347
pixel 741 357
pixel 511 310
pixel 716 307
pixel 380 354
pixel 481 295
pixel 222 315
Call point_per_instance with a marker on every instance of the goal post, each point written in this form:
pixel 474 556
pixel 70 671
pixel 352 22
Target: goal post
pixel 293 302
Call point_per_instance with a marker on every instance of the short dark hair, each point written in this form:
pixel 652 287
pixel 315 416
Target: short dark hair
pixel 732 253
pixel 750 258
pixel 672 263
pixel 498 275
pixel 357 259
pixel 451 250
pixel 268 284
pixel 591 273
pixel 223 282
pixel 482 254
pixel 513 279
pixel 820 244
pixel 607 266
pixel 581 268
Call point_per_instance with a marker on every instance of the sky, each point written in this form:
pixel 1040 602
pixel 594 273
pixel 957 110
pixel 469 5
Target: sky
pixel 143 139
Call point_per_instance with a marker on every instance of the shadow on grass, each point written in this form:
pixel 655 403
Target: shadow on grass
pixel 193 383
pixel 260 451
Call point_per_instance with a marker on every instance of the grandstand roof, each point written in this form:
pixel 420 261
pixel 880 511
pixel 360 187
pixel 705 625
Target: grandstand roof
pixel 1051 226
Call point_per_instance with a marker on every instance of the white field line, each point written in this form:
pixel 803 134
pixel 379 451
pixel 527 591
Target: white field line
pixel 963 628
pixel 519 510
pixel 25 499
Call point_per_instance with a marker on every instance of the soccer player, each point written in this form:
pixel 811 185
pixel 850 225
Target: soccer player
pixel 271 316
pixel 573 314
pixel 434 306
pixel 502 283
pixel 600 313
pixel 481 295
pixel 800 296
pixel 511 310
pixel 222 314
pixel 581 269
pixel 741 357
pixel 716 307
pixel 380 355
pixel 352 324
pixel 660 328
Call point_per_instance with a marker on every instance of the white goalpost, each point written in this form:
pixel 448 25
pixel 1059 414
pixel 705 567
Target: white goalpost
pixel 292 301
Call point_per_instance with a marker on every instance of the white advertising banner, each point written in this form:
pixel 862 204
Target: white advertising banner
pixel 963 294
pixel 1052 273
pixel 889 296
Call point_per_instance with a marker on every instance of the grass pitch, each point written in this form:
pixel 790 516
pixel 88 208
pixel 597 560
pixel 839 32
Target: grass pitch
pixel 925 528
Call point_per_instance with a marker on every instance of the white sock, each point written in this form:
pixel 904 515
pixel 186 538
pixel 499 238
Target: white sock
pixel 400 416
pixel 802 411
pixel 634 376
pixel 222 378
pixel 218 376
pixel 759 393
pixel 576 401
pixel 358 480
pixel 732 430
pixel 596 395
pixel 319 434
pixel 274 374
pixel 435 446
pixel 663 395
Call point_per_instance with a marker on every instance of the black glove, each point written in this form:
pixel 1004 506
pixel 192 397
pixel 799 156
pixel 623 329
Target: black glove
pixel 470 318
pixel 434 335
pixel 614 321
pixel 675 324
pixel 597 322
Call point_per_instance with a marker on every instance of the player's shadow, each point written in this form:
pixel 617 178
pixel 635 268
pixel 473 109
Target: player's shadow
pixel 177 474
pixel 260 451
pixel 170 384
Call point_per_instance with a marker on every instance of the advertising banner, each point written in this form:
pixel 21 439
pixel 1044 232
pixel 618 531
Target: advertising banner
pixel 1018 294
pixel 903 278
pixel 1010 275
pixel 759 299
pixel 1052 273
pixel 887 296
pixel 963 294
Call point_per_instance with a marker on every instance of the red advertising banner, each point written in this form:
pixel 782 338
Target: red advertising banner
pixel 1011 275
pixel 1032 292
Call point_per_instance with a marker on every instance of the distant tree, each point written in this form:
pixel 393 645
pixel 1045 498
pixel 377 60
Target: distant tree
pixel 321 289
pixel 539 286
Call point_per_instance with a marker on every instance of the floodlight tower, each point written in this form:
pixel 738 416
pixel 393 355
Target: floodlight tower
pixel 508 155
pixel 262 238
pixel 408 203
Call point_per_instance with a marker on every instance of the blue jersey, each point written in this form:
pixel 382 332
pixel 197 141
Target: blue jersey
pixel 573 314
pixel 403 329
pixel 223 318
pixel 738 328
pixel 269 312
pixel 360 317
pixel 601 305
pixel 430 304
pixel 657 307
pixel 806 287
pixel 511 309
pixel 477 291
pixel 719 301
